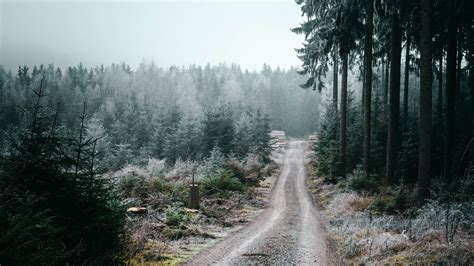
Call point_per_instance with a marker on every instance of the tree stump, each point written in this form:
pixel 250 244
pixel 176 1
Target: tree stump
pixel 193 202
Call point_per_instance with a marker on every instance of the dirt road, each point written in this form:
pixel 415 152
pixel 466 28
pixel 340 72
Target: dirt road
pixel 287 232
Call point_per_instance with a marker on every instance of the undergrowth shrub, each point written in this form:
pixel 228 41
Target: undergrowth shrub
pixel 236 168
pixel 358 181
pixel 220 181
pixel 132 186
pixel 158 184
pixel 175 215
pixel 395 201
pixel 326 148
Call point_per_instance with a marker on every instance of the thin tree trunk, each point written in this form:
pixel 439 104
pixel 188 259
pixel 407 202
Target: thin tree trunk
pixel 343 111
pixel 424 155
pixel 394 108
pixel 470 59
pixel 440 89
pixel 450 92
pixel 440 113
pixel 368 86
pixel 471 78
pixel 458 69
pixel 405 84
pixel 383 76
pixel 471 85
pixel 335 81
pixel 386 85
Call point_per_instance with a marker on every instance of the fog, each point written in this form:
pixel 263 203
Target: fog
pixel 166 32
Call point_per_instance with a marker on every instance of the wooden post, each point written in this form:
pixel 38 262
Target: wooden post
pixel 193 201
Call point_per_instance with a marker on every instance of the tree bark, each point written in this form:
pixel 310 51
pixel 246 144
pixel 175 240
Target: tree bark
pixel 343 111
pixel 385 85
pixel 471 85
pixel 470 58
pixel 458 69
pixel 368 86
pixel 405 84
pixel 450 92
pixel 394 108
pixel 335 81
pixel 440 90
pixel 383 76
pixel 424 151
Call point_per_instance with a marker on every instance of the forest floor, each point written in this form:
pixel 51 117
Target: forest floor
pixel 287 232
pixel 361 236
pixel 168 234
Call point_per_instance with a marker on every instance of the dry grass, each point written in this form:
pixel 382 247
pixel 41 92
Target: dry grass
pixel 361 237
pixel 361 203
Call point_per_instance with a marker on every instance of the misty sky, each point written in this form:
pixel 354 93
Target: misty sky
pixel 249 33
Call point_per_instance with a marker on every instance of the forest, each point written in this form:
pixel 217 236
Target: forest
pixel 79 123
pixel 405 113
pixel 413 134
pixel 365 151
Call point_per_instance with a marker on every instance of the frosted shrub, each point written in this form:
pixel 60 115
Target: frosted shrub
pixel 252 162
pixel 341 203
pixel 130 170
pixel 155 166
pixel 236 167
pixel 447 217
pixel 358 181
pixel 181 170
pixel 214 163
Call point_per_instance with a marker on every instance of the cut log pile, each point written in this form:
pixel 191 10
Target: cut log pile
pixel 312 139
pixel 278 140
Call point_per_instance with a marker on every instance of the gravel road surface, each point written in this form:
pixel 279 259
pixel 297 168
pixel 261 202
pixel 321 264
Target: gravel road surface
pixel 287 232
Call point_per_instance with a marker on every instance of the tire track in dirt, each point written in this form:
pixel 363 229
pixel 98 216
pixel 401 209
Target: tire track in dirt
pixel 287 232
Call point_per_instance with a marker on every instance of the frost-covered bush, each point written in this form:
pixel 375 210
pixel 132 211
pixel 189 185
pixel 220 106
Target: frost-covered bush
pixel 236 167
pixel 130 170
pixel 155 166
pixel 358 181
pixel 450 218
pixel 182 170
pixel 214 163
pixel 253 167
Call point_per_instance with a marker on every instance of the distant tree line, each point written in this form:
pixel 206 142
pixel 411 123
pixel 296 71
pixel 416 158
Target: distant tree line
pixel 411 136
pixel 166 113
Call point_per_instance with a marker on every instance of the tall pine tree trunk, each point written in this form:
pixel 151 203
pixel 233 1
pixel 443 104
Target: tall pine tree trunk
pixel 458 69
pixel 385 85
pixel 440 89
pixel 471 85
pixel 470 58
pixel 394 107
pixel 405 84
pixel 335 81
pixel 424 155
pixel 368 86
pixel 450 92
pixel 343 111
pixel 440 113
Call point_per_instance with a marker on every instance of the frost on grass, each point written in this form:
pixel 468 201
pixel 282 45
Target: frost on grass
pixel 169 232
pixel 434 233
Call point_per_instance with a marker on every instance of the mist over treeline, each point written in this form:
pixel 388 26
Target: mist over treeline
pixel 164 113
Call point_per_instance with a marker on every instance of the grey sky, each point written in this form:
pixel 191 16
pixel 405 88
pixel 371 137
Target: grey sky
pixel 67 32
